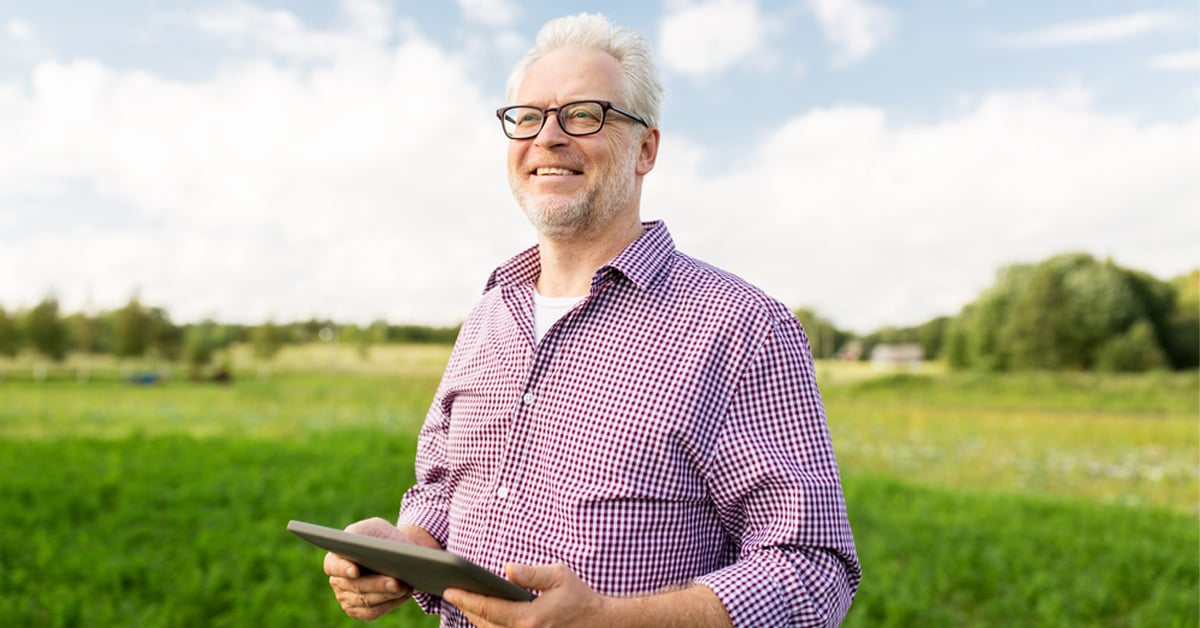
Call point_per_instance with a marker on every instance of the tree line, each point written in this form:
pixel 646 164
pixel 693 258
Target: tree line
pixel 1070 311
pixel 140 331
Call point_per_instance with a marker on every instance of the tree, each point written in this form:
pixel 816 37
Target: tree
pixel 955 347
pixel 165 338
pixel 10 335
pixel 1034 333
pixel 823 337
pixel 46 330
pixel 198 346
pixel 86 332
pixel 131 330
pixel 932 336
pixel 1183 324
pixel 1069 311
pixel 1135 350
pixel 268 339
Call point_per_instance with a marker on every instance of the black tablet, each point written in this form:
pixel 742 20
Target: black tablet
pixel 422 568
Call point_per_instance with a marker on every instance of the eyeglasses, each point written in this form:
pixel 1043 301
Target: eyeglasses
pixel 582 117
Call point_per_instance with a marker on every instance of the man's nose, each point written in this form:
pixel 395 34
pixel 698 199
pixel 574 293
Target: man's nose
pixel 552 133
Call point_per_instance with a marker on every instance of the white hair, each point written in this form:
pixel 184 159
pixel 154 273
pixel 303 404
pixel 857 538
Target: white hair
pixel 642 92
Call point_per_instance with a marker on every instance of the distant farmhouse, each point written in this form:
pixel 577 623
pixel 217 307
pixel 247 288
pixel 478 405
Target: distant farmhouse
pixel 898 356
pixel 851 352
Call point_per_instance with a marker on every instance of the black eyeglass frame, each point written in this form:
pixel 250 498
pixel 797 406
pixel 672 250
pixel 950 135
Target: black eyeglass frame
pixel 605 106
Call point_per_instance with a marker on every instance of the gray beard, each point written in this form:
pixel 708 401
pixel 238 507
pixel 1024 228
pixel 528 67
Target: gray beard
pixel 586 212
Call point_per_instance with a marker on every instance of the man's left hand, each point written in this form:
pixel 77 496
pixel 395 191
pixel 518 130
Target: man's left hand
pixel 564 600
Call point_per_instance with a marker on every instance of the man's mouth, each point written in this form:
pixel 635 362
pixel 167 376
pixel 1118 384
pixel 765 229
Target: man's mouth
pixel 554 171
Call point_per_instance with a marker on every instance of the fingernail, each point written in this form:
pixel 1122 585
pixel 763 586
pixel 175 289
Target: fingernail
pixel 392 586
pixel 351 572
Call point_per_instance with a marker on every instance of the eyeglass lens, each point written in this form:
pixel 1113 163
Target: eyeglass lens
pixel 581 118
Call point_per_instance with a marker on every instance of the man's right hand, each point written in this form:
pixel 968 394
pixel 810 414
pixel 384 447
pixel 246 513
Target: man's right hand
pixel 370 596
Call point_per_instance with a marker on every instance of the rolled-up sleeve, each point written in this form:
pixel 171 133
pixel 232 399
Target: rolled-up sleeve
pixel 775 481
pixel 427 504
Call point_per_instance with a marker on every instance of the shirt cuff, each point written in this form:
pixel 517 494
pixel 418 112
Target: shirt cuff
pixel 751 592
pixel 433 521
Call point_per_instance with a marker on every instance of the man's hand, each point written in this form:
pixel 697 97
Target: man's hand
pixel 564 601
pixel 368 597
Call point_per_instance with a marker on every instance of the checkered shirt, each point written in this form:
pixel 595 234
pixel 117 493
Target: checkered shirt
pixel 666 430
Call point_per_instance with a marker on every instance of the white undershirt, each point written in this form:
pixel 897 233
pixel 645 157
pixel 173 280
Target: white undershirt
pixel 547 311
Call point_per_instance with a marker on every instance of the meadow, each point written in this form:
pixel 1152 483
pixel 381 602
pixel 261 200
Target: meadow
pixel 1019 500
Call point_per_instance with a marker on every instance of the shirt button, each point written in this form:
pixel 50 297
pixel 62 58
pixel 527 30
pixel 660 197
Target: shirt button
pixel 502 492
pixel 527 398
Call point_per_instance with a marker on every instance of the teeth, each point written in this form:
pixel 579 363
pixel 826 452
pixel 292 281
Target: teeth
pixel 542 171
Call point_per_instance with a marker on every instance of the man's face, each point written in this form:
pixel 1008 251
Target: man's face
pixel 570 186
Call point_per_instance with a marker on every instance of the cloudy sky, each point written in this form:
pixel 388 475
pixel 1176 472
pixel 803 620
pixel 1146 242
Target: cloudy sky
pixel 877 161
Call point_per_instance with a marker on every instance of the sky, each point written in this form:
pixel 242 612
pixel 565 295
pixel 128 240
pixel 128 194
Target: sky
pixel 876 161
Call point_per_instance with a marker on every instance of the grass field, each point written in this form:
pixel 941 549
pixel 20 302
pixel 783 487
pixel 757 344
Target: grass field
pixel 1032 500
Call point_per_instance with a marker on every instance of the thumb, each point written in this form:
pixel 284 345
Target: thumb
pixel 536 577
pixel 376 526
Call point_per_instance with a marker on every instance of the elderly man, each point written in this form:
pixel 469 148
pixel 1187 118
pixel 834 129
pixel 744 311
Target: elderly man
pixel 630 433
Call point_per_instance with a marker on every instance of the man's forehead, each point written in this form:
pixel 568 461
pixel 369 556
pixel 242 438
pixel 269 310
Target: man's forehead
pixel 567 74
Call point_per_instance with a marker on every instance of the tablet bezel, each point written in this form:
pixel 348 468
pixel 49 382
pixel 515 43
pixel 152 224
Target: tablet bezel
pixel 422 568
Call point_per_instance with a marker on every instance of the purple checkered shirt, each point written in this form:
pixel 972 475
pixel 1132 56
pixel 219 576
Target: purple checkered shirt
pixel 666 430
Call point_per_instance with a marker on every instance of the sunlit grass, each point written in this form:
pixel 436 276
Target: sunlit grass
pixel 1131 440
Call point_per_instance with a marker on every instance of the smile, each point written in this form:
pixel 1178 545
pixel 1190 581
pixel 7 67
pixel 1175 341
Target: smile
pixel 553 171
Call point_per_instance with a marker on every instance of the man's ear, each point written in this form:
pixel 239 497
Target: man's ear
pixel 649 151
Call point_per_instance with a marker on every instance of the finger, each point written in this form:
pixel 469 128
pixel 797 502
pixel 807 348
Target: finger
pixel 337 566
pixel 537 577
pixel 371 613
pixel 374 583
pixel 386 607
pixel 349 597
pixel 375 526
pixel 483 610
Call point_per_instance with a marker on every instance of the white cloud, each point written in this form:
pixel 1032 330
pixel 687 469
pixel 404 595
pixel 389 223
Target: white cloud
pixel 348 176
pixel 1187 60
pixel 854 27
pixel 1095 31
pixel 250 27
pixel 22 43
pixel 19 30
pixel 699 39
pixel 369 19
pixel 874 223
pixel 367 185
pixel 493 13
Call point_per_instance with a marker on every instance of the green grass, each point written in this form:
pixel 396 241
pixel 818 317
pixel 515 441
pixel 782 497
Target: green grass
pixel 181 531
pixel 962 558
pixel 1121 439
pixel 166 505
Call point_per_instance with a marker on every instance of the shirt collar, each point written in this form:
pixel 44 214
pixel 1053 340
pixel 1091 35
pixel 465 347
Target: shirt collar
pixel 640 262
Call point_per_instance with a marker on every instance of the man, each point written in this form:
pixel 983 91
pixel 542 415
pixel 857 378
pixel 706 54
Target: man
pixel 631 433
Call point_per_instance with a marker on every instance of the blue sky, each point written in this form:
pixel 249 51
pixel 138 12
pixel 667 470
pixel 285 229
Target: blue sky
pixel 876 161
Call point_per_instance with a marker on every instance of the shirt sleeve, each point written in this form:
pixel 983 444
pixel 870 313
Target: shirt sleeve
pixel 427 503
pixel 775 482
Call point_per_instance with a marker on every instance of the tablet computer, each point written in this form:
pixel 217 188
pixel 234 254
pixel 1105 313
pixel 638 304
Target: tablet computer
pixel 422 568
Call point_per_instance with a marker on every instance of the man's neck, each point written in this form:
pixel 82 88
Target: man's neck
pixel 568 264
